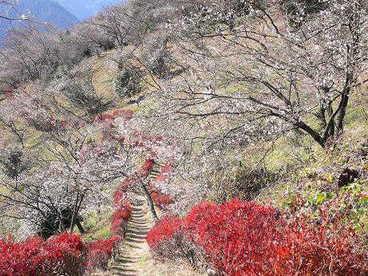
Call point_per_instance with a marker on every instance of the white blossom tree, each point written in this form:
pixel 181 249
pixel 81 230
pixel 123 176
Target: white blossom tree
pixel 264 67
pixel 62 173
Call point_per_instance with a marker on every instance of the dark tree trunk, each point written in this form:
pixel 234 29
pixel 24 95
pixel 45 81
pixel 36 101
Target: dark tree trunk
pixel 150 201
pixel 72 222
pixel 315 135
pixel 342 112
pixel 75 220
pixel 80 227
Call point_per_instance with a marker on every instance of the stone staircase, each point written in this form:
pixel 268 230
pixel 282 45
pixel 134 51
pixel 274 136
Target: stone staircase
pixel 134 245
pixel 155 171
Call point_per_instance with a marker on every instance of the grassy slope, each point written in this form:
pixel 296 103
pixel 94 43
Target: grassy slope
pixel 314 172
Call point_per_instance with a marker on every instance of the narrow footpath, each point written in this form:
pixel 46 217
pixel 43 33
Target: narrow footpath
pixel 134 246
pixel 134 257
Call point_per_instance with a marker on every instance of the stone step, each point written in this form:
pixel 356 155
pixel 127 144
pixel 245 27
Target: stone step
pixel 138 226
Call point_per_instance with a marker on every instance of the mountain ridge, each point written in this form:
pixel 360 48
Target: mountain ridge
pixel 84 9
pixel 41 11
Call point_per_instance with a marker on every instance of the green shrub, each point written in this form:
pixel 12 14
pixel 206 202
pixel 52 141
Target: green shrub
pixel 84 97
pixel 128 82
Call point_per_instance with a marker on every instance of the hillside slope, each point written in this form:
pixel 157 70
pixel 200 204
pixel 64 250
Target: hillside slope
pixel 175 118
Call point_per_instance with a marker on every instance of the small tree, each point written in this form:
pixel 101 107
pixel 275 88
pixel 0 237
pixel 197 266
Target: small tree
pixel 13 163
pixel 51 196
pixel 85 98
pixel 128 82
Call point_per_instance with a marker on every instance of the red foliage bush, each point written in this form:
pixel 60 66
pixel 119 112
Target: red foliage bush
pixel 125 113
pixel 118 197
pixel 161 200
pixel 163 230
pixel 99 253
pixel 170 242
pixel 324 248
pixel 17 258
pixel 238 236
pixel 66 242
pixel 62 254
pixel 110 116
pixel 120 218
pixel 165 171
pixel 120 194
pixel 105 117
pixel 147 167
pixel 244 238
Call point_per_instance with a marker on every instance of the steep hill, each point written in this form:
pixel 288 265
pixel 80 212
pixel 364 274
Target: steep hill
pixel 172 137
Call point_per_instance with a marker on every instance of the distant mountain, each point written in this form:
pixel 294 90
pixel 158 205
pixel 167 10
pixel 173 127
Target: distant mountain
pixel 86 8
pixel 40 11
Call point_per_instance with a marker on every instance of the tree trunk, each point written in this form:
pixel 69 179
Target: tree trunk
pixel 80 227
pixel 75 220
pixel 150 201
pixel 74 214
pixel 315 135
pixel 342 112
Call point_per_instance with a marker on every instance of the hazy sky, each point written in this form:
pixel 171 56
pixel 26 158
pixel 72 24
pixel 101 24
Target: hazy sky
pixel 85 8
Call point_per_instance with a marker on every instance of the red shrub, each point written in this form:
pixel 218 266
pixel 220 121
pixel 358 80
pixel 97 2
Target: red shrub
pixel 120 193
pixel 62 254
pixel 118 197
pixel 238 236
pixel 111 115
pixel 243 238
pixel 119 218
pixel 147 167
pixel 169 241
pixel 161 200
pixel 332 249
pixel 65 254
pixel 67 242
pixel 100 252
pixel 105 117
pixel 164 173
pixel 126 114
pixel 163 230
pixel 17 258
